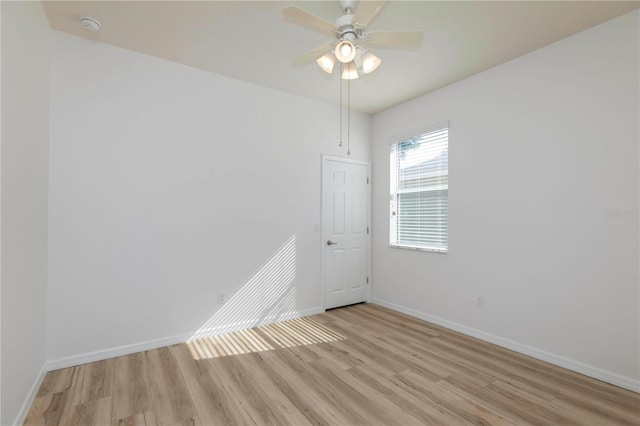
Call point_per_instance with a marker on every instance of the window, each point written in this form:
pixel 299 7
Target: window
pixel 420 191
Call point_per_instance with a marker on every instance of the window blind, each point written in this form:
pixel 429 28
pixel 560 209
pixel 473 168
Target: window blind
pixel 420 192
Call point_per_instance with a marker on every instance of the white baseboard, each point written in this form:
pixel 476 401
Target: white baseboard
pixel 569 364
pixel 31 396
pixel 70 361
pixel 73 360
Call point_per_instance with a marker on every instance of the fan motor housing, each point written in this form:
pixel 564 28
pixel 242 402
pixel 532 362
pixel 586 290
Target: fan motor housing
pixel 346 29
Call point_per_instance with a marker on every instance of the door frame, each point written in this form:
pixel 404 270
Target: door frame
pixel 325 159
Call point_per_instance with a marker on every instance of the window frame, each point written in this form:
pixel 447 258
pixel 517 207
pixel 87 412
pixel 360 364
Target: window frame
pixel 396 140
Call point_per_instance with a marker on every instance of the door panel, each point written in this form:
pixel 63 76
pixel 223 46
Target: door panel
pixel 356 280
pixel 345 220
pixel 336 265
pixel 357 227
pixel 339 213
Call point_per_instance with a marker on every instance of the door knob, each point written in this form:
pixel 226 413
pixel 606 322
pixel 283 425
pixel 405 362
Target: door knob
pixel 329 243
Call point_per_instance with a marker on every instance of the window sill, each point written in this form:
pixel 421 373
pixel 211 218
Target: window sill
pixel 431 250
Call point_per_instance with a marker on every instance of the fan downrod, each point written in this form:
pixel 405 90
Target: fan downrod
pixel 348 6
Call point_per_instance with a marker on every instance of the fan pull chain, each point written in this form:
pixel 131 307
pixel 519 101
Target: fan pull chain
pixel 340 81
pixel 348 117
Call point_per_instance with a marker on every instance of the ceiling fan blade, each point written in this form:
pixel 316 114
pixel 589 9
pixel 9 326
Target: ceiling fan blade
pixel 367 11
pixel 306 19
pixel 312 54
pixel 395 39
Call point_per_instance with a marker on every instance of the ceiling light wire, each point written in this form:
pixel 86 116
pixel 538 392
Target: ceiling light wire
pixel 348 117
pixel 340 81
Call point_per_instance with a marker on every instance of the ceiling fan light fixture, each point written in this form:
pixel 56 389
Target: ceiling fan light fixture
pixel 326 62
pixel 345 51
pixel 350 72
pixel 370 62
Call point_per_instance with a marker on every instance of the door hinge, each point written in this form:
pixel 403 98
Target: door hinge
pixel 367 180
pixel 367 229
pixel 367 280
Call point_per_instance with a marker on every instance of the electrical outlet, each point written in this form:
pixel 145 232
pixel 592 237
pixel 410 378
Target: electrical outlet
pixel 220 298
pixel 480 302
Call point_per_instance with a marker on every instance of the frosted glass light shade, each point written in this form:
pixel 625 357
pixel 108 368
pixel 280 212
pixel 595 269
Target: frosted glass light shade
pixel 326 62
pixel 370 62
pixel 350 72
pixel 345 51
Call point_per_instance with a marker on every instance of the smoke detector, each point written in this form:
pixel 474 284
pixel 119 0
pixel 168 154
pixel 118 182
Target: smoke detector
pixel 90 23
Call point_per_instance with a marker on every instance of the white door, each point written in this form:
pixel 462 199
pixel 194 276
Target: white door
pixel 345 228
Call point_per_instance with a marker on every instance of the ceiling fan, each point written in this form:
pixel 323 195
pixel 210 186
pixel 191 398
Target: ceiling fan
pixel 351 38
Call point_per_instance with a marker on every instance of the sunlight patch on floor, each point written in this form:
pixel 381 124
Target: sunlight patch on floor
pixel 286 334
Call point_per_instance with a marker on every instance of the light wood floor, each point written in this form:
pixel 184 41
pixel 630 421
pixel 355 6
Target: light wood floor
pixel 361 365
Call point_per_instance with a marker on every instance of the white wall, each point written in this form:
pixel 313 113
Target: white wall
pixel 25 157
pixel 170 185
pixel 540 148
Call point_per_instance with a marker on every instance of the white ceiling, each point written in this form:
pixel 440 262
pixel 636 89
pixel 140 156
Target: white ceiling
pixel 249 40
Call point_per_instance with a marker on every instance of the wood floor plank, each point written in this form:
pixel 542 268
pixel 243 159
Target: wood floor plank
pixel 404 399
pixel 384 323
pixel 534 403
pixel 131 389
pixel 599 407
pixel 562 381
pixel 360 343
pixel 524 413
pixel 94 412
pixel 57 381
pixel 360 397
pixel 146 418
pixel 59 409
pixel 35 417
pixel 457 408
pixel 586 415
pixel 491 369
pixel 93 381
pixel 287 411
pixel 302 397
pixel 250 401
pixel 172 402
pixel 304 353
pixel 336 353
pixel 359 365
pixel 320 386
pixel 212 403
